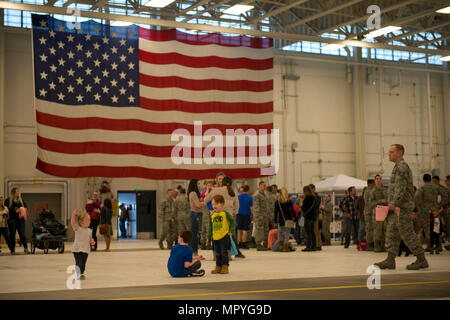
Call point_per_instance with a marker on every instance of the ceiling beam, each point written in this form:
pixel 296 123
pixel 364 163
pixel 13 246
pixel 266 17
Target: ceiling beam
pixel 211 28
pixel 383 10
pixel 418 31
pixel 99 4
pixel 68 3
pixel 319 15
pixel 51 2
pixel 277 11
pixel 217 5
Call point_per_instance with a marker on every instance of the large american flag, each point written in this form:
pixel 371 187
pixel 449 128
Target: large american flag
pixel 109 98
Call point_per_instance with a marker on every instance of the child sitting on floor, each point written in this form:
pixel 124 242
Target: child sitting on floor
pixel 180 262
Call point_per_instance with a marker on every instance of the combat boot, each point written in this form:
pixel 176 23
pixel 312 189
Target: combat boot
pixel 161 245
pixel 203 246
pixel 216 270
pixel 389 263
pixel 378 246
pixel 224 270
pixel 420 263
pixel 370 246
pixel 285 247
pixel 259 247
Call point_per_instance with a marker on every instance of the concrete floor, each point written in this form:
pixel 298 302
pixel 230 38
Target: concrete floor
pixel 136 269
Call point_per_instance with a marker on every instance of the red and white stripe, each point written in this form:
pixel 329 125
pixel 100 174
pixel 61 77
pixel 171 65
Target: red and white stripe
pixel 223 81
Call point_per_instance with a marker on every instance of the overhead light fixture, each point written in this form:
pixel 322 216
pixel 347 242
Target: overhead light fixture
pixel 382 31
pixel 238 9
pixel 444 10
pixel 121 24
pixel 332 46
pixel 446 58
pixel 158 3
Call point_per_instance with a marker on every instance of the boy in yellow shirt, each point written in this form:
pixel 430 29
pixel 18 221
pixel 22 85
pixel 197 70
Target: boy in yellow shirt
pixel 220 226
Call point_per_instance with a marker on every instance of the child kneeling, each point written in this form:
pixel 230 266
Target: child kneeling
pixel 180 262
pixel 220 226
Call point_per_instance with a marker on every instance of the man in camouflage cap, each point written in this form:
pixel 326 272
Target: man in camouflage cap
pixel 182 211
pixel 401 196
pixel 261 217
pixel 327 212
pixel 426 198
pixel 167 220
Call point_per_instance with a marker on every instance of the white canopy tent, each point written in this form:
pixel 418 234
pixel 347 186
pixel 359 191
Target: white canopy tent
pixel 339 183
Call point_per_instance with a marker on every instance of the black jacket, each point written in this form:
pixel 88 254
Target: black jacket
pixel 288 212
pixel 308 208
pixel 12 206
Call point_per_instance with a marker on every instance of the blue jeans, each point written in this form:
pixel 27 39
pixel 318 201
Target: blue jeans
pixel 349 224
pixel 193 268
pixel 221 250
pixel 196 226
pixel 362 231
pixel 287 232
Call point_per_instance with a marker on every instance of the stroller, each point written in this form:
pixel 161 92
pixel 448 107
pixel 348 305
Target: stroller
pixel 48 233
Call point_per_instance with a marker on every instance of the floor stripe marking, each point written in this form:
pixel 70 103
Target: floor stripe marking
pixel 277 290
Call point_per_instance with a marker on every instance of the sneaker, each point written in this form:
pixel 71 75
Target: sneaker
pixel 198 273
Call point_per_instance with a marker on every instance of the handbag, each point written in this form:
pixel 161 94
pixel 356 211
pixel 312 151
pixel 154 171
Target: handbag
pixel 233 249
pixel 301 222
pixel 287 223
pixel 103 228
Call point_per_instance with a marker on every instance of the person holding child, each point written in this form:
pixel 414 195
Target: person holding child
pixel 180 262
pixel 220 228
pixel 81 248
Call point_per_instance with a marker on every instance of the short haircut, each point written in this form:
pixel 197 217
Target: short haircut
pixel 437 178
pixel 313 187
pixel 377 176
pixel 245 188
pixel 187 236
pixel 219 199
pixel 261 182
pixel 275 186
pixel 350 189
pixel 269 188
pixel 399 147
pixel 426 177
pixel 307 191
pixel 370 182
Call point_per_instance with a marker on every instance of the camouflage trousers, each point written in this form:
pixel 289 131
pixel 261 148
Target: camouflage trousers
pixel 423 223
pixel 261 230
pixel 326 230
pixel 369 221
pixel 401 228
pixel 379 230
pixel 446 217
pixel 183 222
pixel 205 226
pixel 169 232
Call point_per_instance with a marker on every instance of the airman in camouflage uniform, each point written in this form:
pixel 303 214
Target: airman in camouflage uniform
pixel 261 218
pixel 167 219
pixel 182 211
pixel 426 198
pixel 444 203
pixel 327 213
pixel 401 195
pixel 368 216
pixel 271 199
pixel 377 195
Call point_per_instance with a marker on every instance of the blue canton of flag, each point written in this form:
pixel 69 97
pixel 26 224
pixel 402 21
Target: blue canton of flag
pixel 96 64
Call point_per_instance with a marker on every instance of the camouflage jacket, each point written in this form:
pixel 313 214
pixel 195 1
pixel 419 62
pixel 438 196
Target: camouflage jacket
pixel 376 195
pixel 181 205
pixel 444 192
pixel 401 188
pixel 328 210
pixel 367 195
pixel 167 210
pixel 427 196
pixel 260 204
pixel 271 199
